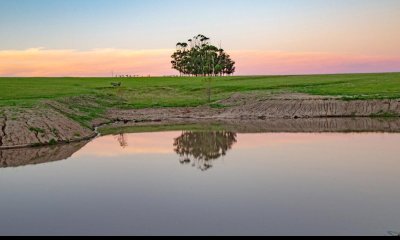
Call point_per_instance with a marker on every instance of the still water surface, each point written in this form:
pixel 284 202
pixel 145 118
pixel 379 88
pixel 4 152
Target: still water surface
pixel 209 183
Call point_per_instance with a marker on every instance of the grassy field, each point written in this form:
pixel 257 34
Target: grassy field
pixel 181 92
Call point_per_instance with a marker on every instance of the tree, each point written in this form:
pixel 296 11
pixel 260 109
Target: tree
pixel 198 57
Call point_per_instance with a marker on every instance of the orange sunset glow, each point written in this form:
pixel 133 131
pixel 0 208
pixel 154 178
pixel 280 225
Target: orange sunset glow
pixel 102 62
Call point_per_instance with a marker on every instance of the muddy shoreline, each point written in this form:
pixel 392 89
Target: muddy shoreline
pixel 54 122
pixel 18 157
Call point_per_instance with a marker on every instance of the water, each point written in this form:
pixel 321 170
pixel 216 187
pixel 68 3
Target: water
pixel 205 183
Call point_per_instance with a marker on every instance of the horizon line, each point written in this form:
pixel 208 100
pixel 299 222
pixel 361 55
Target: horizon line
pixel 235 75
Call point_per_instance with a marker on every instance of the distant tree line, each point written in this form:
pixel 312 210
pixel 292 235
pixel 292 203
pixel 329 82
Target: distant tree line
pixel 127 76
pixel 198 57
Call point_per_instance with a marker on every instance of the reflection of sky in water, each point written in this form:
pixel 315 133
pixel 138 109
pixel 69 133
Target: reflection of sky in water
pixel 265 184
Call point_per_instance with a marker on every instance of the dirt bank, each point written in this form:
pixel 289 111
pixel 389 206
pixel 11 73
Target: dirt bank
pixel 73 119
pixel 253 106
pixel 303 106
pixel 21 127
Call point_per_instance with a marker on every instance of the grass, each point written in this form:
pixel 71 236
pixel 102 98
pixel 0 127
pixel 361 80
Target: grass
pixel 36 130
pixel 161 128
pixel 52 142
pixel 86 108
pixel 385 115
pixel 186 92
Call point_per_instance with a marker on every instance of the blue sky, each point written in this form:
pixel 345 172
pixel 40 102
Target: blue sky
pixel 156 24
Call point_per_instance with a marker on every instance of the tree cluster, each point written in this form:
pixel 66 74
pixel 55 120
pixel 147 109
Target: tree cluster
pixel 198 57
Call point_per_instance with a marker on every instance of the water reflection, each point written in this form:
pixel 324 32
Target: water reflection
pixel 270 184
pixel 122 140
pixel 38 155
pixel 200 149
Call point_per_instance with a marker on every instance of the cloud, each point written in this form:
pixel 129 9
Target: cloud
pixel 41 62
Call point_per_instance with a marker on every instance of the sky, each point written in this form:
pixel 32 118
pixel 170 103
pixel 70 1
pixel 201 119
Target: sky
pixel 137 37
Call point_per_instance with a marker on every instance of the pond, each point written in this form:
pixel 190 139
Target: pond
pixel 205 183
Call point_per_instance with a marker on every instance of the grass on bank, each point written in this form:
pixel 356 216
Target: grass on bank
pixel 111 130
pixel 187 91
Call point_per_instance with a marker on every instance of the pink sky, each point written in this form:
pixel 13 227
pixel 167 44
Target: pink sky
pixel 144 143
pixel 42 62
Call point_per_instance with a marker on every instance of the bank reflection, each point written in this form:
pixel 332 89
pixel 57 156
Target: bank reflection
pixel 200 149
pixel 39 155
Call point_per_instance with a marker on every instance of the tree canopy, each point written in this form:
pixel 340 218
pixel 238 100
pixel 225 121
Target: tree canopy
pixel 198 57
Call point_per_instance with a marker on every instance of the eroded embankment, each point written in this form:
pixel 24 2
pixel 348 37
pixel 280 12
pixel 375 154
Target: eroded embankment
pixel 51 122
pixel 310 108
pixel 74 119
pixel 38 126
pixel 250 106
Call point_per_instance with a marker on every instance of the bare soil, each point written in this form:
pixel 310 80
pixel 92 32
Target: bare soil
pixel 254 106
pixel 303 106
pixel 38 126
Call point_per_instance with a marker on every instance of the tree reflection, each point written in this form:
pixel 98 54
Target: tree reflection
pixel 201 148
pixel 122 140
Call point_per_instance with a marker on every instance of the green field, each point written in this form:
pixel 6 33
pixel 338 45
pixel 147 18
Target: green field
pixel 187 91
